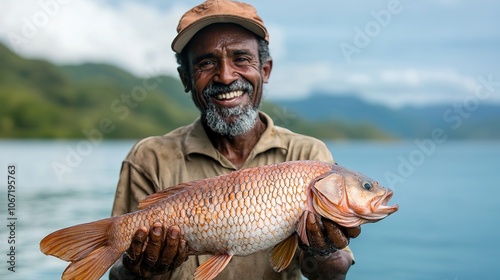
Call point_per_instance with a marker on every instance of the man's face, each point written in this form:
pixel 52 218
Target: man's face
pixel 227 77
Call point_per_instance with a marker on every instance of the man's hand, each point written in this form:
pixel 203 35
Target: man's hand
pixel 162 252
pixel 326 236
pixel 322 255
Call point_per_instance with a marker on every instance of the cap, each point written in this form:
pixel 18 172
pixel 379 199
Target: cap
pixel 217 11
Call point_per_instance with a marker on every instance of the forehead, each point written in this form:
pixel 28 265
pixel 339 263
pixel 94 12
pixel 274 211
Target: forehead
pixel 220 37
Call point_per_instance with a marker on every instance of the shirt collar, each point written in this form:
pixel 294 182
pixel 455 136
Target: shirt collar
pixel 197 141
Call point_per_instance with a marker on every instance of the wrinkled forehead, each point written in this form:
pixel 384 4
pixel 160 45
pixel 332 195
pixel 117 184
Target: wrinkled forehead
pixel 220 35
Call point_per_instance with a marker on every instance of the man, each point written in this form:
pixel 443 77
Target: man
pixel 222 49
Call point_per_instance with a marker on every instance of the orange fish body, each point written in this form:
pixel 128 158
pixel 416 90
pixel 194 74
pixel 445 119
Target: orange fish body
pixel 239 213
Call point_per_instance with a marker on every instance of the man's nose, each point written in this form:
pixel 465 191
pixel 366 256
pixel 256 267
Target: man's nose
pixel 226 73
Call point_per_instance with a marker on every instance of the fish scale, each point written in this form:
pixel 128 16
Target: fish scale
pixel 239 213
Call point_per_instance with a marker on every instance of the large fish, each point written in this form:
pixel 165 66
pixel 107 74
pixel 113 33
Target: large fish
pixel 239 213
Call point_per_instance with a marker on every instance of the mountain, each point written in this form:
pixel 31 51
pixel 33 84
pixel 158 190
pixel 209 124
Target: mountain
pixel 459 121
pixel 41 100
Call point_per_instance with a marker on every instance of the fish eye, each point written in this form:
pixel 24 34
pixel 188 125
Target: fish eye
pixel 366 185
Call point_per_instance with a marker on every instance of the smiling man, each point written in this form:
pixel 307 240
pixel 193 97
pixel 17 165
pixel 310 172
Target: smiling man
pixel 225 76
pixel 222 50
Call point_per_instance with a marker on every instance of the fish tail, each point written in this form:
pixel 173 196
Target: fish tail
pixel 86 246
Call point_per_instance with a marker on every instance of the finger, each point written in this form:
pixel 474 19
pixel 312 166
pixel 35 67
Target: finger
pixel 133 253
pixel 335 235
pixel 181 255
pixel 171 247
pixel 153 249
pixel 315 234
pixel 353 232
pixel 132 257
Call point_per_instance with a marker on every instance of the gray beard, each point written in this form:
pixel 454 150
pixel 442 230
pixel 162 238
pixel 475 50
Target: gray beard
pixel 246 118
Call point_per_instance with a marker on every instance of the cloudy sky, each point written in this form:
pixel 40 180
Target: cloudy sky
pixel 395 52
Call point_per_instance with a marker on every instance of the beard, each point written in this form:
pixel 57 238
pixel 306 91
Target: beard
pixel 243 117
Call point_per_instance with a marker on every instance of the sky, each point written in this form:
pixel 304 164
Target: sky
pixel 394 52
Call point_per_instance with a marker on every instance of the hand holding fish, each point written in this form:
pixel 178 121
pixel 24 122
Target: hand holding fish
pixel 326 241
pixel 325 236
pixel 155 252
pixel 239 213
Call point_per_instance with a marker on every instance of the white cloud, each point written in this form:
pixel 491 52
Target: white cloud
pixel 415 61
pixel 130 34
pixel 394 87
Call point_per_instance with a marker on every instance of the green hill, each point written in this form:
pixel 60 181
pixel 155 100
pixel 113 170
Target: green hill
pixel 480 122
pixel 41 100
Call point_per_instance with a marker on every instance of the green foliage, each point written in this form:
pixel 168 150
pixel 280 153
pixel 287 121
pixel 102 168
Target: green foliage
pixel 41 100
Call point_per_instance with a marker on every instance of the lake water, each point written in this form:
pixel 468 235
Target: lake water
pixel 447 226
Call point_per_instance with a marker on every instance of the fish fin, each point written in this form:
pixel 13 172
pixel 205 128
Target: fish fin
pixel 93 266
pixel 302 228
pixel 157 196
pixel 86 246
pixel 212 267
pixel 282 254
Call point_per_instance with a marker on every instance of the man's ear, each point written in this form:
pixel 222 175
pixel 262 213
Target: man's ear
pixel 186 81
pixel 266 70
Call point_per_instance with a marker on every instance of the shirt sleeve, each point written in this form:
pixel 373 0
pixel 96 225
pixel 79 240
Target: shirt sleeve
pixel 132 187
pixel 320 152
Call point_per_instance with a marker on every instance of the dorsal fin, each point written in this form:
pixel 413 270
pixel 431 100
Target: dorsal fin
pixel 154 198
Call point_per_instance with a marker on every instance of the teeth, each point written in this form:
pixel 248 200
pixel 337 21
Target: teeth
pixel 229 95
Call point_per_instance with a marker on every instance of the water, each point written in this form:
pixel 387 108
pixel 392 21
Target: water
pixel 446 228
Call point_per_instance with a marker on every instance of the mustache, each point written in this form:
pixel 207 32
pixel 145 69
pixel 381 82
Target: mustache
pixel 217 88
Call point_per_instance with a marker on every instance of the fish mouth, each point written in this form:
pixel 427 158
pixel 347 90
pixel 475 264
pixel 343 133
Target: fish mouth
pixel 379 205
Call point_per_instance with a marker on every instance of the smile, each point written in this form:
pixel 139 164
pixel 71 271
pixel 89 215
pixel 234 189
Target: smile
pixel 229 95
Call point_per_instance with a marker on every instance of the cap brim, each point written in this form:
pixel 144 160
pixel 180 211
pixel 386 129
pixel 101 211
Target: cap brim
pixel 181 40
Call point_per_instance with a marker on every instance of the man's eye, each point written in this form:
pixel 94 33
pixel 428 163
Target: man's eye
pixel 206 64
pixel 242 59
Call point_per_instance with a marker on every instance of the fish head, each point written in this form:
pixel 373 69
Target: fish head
pixel 350 198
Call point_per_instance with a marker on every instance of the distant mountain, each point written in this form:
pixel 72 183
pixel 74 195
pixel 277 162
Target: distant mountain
pixel 407 122
pixel 41 100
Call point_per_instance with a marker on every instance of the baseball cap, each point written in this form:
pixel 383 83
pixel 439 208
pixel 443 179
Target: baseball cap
pixel 217 11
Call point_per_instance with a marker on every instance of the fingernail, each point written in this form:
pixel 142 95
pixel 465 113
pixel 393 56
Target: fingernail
pixel 174 233
pixel 141 233
pixel 156 231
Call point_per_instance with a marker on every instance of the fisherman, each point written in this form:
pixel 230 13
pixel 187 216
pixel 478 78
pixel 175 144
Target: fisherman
pixel 223 55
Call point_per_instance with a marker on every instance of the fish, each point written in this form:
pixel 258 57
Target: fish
pixel 239 213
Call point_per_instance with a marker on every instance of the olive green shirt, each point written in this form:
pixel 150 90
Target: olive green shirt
pixel 186 154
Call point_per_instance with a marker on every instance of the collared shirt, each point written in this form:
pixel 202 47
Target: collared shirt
pixel 186 154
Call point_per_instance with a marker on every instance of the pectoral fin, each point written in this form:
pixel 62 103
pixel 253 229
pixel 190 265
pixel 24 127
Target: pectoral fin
pixel 212 267
pixel 282 254
pixel 302 228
